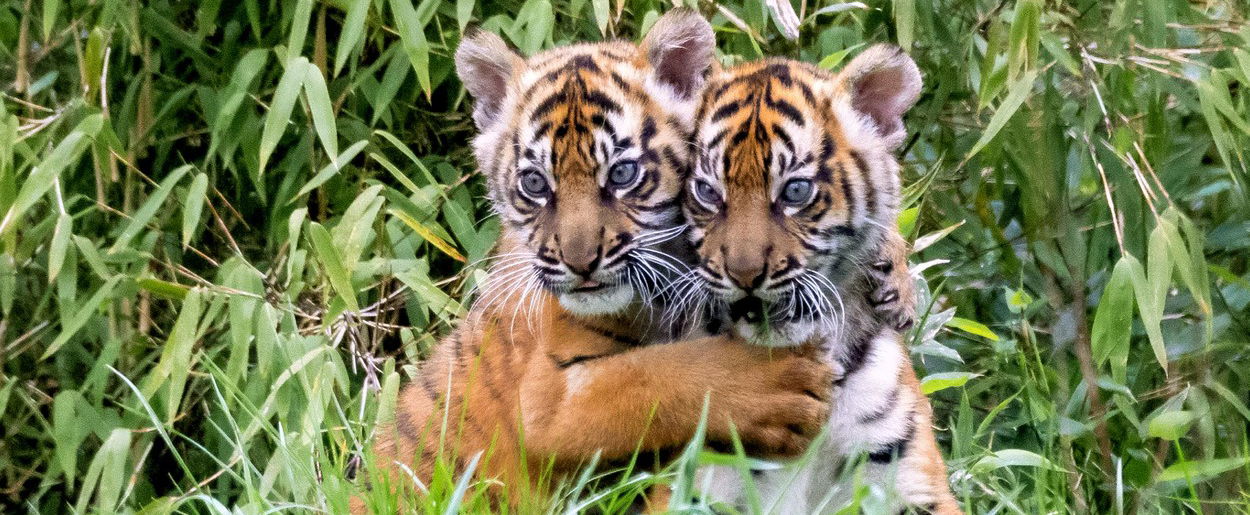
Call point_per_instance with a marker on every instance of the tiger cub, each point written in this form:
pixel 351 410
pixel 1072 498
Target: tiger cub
pixel 792 204
pixel 585 151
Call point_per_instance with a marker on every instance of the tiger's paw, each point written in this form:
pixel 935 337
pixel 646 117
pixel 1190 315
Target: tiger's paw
pixel 780 404
pixel 893 295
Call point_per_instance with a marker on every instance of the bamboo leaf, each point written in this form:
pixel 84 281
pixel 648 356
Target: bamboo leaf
pixel 412 34
pixel 43 176
pixel 60 244
pixel 280 108
pixel 340 278
pixel 353 30
pixel 428 235
pixel 82 316
pixel 1016 94
pixel 1113 320
pixel 322 111
pixel 149 209
pixel 194 206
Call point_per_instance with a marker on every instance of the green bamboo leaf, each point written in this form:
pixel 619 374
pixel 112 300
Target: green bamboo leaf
pixel 603 15
pixel 82 316
pixel 464 12
pixel 972 327
pixel 60 244
pixel 394 77
pixel 149 209
pixel 412 34
pixel 280 108
pixel 50 10
pixel 943 380
pixel 43 176
pixel 299 28
pixel 340 278
pixel 1023 41
pixel 106 475
pixel 1016 93
pixel 1014 458
pixel 331 169
pixel 67 432
pixel 194 206
pixel 353 29
pixel 1149 308
pixel 322 110
pixel 905 22
pixel 164 289
pixel 176 356
pixel 1171 425
pixel 1200 470
pixel 1113 320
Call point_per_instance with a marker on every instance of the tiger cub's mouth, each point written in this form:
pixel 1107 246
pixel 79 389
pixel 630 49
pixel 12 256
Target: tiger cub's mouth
pixel 597 298
pixel 761 322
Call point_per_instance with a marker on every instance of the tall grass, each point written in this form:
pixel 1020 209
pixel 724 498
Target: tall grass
pixel 229 231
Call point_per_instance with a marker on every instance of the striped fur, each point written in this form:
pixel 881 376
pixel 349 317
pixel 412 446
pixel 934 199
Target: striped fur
pixel 792 206
pixel 551 366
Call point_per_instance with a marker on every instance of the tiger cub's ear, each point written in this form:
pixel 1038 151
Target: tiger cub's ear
pixel 883 83
pixel 486 65
pixel 679 49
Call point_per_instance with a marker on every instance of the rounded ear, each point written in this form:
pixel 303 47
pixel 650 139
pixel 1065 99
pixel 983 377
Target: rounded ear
pixel 883 82
pixel 486 65
pixel 679 48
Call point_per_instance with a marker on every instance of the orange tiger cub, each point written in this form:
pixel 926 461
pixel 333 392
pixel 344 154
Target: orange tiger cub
pixel 585 153
pixel 792 207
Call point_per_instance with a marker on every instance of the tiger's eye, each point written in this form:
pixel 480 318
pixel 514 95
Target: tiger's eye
pixel 533 183
pixel 623 173
pixel 706 193
pixel 797 192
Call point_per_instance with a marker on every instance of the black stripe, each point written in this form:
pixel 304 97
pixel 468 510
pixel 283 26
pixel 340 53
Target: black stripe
pixel 882 411
pixel 893 450
pixel 870 189
pixel 602 101
pixel 581 358
pixel 726 110
pixel 786 109
pixel 584 62
pixel 547 105
pixel 855 356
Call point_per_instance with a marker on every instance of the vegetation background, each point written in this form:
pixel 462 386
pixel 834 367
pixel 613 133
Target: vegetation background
pixel 228 231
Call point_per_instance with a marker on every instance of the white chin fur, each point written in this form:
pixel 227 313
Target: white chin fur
pixel 607 301
pixel 789 335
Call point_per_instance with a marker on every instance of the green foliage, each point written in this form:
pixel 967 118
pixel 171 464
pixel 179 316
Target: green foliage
pixel 228 231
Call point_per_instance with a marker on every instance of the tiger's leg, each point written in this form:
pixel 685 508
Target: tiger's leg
pixel 879 410
pixel 921 476
pixel 913 459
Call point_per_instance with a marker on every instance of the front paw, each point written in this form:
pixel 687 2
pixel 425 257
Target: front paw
pixel 892 296
pixel 787 404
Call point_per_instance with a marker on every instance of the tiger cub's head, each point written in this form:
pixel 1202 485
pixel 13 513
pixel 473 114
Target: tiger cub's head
pixel 796 183
pixel 586 151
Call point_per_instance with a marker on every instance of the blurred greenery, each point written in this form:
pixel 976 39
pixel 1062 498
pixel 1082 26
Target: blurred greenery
pixel 228 231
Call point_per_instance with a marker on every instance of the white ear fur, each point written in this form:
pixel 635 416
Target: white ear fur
pixel 486 66
pixel 679 48
pixel 882 83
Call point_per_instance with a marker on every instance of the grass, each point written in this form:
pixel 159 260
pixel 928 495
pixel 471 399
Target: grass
pixel 228 233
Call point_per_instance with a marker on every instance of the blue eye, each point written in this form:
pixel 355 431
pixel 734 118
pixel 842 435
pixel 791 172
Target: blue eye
pixel 534 184
pixel 797 192
pixel 623 173
pixel 706 193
